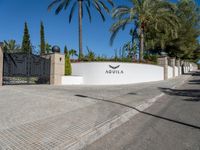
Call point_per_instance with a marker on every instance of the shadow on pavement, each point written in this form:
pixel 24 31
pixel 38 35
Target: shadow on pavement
pixel 193 73
pixel 192 93
pixel 143 112
pixel 197 73
pixel 195 81
pixel 192 99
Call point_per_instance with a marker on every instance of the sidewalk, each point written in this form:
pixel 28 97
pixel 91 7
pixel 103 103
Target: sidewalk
pixel 102 108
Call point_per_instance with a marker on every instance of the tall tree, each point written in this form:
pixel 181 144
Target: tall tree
pixel 131 46
pixel 66 51
pixel 26 43
pixel 142 15
pixel 73 53
pixel 97 4
pixel 42 39
pixel 185 45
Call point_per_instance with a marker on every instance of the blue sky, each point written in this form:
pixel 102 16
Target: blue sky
pixel 58 31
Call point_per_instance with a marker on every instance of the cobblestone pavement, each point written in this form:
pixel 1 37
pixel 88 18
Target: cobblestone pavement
pixel 47 117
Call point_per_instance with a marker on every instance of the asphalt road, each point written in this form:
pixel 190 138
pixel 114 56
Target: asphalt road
pixel 172 123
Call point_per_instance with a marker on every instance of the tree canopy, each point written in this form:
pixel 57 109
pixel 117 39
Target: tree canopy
pixel 11 46
pixel 144 15
pixel 97 5
pixel 42 40
pixel 161 26
pixel 26 43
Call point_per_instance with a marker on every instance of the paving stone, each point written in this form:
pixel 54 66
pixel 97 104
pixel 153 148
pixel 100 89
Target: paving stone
pixel 55 117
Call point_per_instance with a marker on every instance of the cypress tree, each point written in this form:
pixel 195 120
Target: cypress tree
pixel 68 67
pixel 26 43
pixel 66 51
pixel 42 39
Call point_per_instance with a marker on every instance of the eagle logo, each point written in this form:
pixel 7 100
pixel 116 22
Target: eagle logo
pixel 114 67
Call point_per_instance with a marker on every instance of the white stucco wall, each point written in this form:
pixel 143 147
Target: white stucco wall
pixel 102 73
pixel 193 67
pixel 170 72
pixel 181 70
pixel 72 80
pixel 176 71
pixel 185 69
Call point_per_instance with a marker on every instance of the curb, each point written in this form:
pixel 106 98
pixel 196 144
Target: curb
pixel 104 128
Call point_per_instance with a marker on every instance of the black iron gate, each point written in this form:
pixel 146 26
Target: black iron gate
pixel 20 68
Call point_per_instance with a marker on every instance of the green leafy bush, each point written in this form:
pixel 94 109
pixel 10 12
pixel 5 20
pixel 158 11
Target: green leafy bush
pixel 151 58
pixel 90 55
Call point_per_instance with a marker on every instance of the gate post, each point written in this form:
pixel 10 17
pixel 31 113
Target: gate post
pixel 178 64
pixel 182 67
pixel 172 64
pixel 57 69
pixel 163 61
pixel 1 65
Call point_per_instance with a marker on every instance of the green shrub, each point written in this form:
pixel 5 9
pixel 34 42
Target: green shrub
pixel 150 57
pixel 90 55
pixel 68 67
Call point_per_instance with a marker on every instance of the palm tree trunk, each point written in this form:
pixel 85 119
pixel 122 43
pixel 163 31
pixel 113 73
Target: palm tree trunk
pixel 80 28
pixel 141 44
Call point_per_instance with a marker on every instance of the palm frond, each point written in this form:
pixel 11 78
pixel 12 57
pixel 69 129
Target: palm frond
pixel 88 11
pixel 104 6
pixel 116 27
pixel 55 2
pixel 98 8
pixel 72 11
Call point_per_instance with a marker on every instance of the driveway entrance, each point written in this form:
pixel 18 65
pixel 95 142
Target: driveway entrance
pixel 21 68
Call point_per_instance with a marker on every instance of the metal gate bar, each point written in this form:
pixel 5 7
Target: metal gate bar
pixel 20 68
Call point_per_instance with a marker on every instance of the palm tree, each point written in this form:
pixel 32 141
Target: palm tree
pixel 142 15
pixel 131 46
pixel 97 4
pixel 187 41
pixel 10 46
pixel 72 53
pixel 48 48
